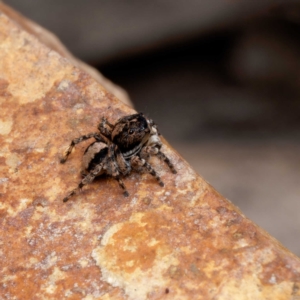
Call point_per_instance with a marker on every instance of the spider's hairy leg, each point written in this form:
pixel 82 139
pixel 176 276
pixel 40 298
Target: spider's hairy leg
pixel 105 128
pixel 77 141
pixel 86 180
pixel 150 150
pixel 123 165
pixel 130 117
pixel 122 185
pixel 114 158
pixel 139 163
pixel 114 173
pixel 163 157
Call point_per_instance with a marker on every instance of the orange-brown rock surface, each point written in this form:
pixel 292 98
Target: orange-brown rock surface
pixel 52 42
pixel 183 241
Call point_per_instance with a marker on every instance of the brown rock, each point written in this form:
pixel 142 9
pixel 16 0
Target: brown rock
pixel 183 241
pixel 52 42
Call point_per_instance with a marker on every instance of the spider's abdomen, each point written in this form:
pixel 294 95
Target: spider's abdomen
pixel 94 154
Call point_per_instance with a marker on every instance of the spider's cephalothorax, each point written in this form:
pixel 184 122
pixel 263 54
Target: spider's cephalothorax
pixel 118 149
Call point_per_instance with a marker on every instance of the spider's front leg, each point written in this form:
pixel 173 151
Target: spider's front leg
pixel 105 128
pixel 163 157
pixel 140 163
pixel 77 141
pixel 153 150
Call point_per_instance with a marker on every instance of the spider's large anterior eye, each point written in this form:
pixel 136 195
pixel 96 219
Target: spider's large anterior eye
pixel 131 131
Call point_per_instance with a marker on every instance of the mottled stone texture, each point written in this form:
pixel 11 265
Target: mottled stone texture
pixel 52 42
pixel 183 241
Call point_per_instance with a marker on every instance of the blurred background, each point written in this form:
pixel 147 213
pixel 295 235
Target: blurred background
pixel 221 78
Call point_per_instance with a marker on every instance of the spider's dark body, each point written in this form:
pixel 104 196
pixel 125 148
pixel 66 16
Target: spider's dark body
pixel 118 149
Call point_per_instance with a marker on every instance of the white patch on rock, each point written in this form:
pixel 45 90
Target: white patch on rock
pixel 139 282
pixel 5 126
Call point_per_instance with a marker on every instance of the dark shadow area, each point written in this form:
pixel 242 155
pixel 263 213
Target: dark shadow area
pixel 201 88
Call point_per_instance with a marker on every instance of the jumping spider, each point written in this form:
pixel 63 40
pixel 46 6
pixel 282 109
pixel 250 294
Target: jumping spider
pixel 118 149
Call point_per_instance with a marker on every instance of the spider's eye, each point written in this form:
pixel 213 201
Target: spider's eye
pixel 131 131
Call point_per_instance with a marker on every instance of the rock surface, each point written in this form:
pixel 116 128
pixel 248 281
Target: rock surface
pixel 183 241
pixel 52 42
